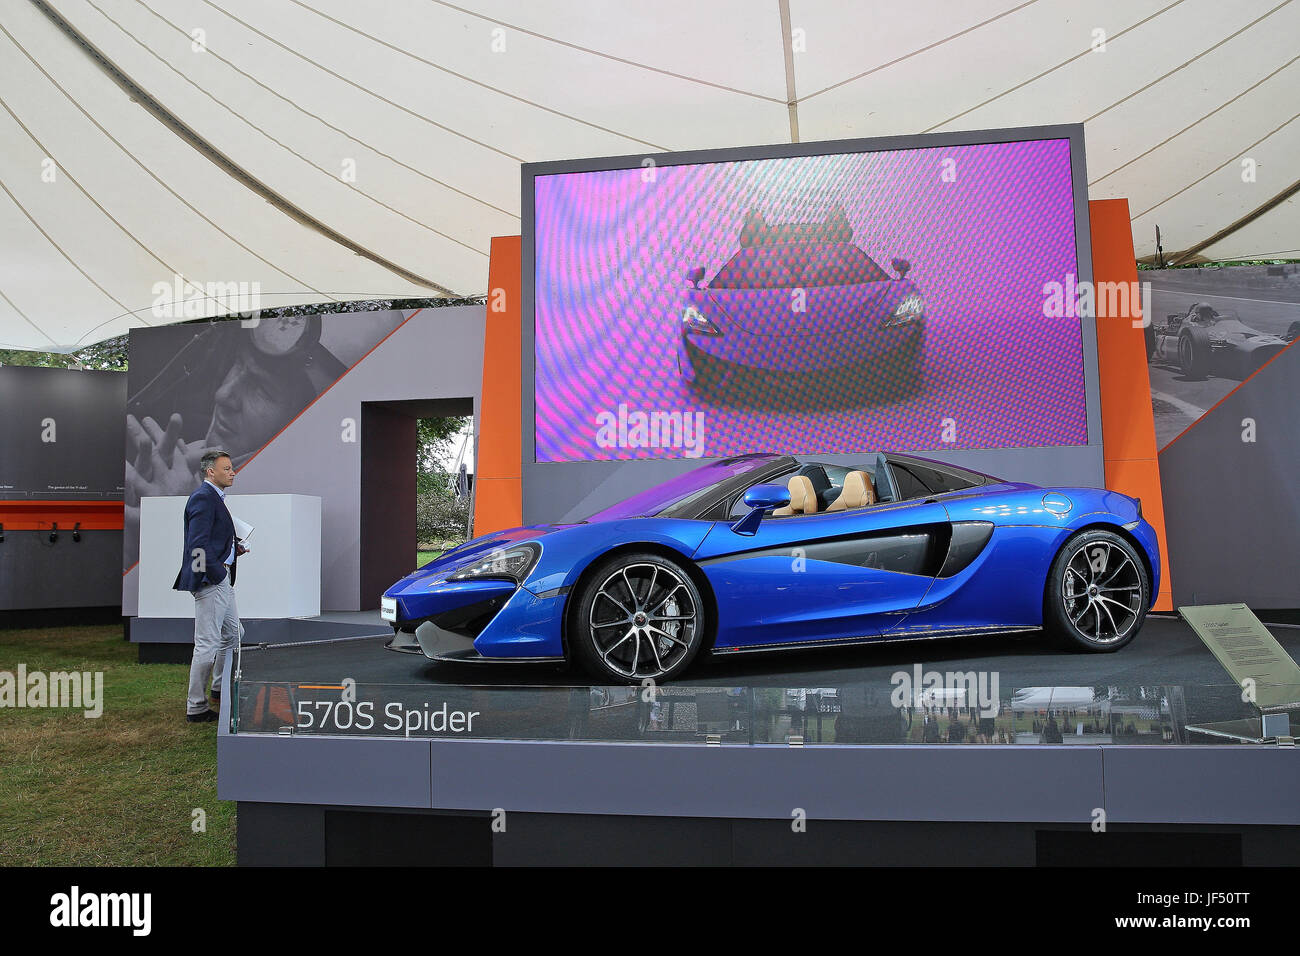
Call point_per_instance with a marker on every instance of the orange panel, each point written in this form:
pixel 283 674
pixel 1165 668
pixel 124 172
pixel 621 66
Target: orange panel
pixel 498 503
pixel 498 494
pixel 29 515
pixel 1141 479
pixel 1127 424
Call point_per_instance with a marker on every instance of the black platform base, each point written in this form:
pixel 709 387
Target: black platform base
pixel 16 618
pixel 164 653
pixel 277 834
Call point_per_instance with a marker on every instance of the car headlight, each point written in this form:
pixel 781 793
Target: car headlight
pixel 693 320
pixel 912 307
pixel 514 563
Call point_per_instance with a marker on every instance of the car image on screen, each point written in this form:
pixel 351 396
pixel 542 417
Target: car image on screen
pixel 799 300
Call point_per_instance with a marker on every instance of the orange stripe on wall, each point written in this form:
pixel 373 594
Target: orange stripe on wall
pixel 1128 428
pixel 498 478
pixel 32 515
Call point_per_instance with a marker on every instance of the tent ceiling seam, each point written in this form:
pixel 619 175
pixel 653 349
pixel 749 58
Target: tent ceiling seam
pixel 27 319
pixel 324 122
pixel 149 172
pixel 63 252
pixel 1053 69
pixel 478 83
pixel 918 51
pixel 1227 162
pixel 220 159
pixel 1222 106
pixel 1186 63
pixel 172 270
pixel 381 98
pixel 609 56
pixel 285 146
pixel 1241 223
pixel 787 47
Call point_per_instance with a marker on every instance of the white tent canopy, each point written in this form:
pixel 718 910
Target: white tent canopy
pixel 316 150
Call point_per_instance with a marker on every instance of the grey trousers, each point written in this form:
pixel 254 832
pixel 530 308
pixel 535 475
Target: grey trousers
pixel 217 632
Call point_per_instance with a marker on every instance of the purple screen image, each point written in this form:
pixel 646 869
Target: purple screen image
pixel 806 324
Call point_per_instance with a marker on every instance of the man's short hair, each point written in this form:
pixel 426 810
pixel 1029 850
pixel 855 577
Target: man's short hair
pixel 209 460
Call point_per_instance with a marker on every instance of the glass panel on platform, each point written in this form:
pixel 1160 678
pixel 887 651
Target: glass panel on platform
pixel 871 714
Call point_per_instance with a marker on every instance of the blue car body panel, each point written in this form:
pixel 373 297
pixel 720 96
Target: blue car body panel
pixel 969 561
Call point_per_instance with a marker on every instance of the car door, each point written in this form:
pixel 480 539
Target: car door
pixel 822 578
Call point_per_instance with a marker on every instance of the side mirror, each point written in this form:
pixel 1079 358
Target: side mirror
pixel 761 499
pixel 902 267
pixel 695 277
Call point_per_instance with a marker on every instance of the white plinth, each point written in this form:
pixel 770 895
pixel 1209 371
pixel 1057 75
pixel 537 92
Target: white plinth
pixel 279 577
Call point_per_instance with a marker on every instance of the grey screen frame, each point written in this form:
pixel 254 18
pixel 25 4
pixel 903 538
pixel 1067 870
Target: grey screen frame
pixel 558 491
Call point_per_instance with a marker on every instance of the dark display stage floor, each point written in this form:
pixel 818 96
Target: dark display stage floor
pixel 1167 651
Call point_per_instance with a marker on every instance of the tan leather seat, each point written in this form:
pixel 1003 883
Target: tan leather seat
pixel 858 492
pixel 803 500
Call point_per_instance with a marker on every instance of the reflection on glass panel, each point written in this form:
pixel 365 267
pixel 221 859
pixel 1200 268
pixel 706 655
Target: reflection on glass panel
pixel 851 714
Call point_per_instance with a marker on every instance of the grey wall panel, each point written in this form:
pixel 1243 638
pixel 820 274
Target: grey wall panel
pixel 1232 507
pixel 1230 785
pixel 881 783
pixel 1203 784
pixel 324 770
pixel 82 412
pixel 37 574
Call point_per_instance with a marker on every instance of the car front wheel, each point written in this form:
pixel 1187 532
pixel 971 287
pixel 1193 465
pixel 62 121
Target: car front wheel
pixel 1097 592
pixel 639 617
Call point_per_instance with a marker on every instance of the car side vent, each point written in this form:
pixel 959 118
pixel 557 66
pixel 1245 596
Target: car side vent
pixel 968 540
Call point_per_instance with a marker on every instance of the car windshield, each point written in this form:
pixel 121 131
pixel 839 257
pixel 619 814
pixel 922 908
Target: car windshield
pixel 695 484
pixel 794 265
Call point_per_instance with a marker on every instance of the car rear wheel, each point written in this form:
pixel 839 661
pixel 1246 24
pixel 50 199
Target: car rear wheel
pixel 1097 592
pixel 639 617
pixel 1194 352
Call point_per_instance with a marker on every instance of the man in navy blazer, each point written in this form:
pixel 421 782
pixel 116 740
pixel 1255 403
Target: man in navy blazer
pixel 208 571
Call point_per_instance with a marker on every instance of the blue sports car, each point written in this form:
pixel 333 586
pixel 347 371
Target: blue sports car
pixel 771 552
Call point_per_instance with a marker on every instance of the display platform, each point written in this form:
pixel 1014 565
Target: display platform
pixel 347 738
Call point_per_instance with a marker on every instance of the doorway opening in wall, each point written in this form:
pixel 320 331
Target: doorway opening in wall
pixel 414 502
pixel 444 485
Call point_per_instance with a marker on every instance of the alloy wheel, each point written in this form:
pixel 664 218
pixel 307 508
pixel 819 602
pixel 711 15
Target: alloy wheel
pixel 1101 590
pixel 643 620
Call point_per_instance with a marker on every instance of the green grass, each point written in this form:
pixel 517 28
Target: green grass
pixel 424 557
pixel 118 790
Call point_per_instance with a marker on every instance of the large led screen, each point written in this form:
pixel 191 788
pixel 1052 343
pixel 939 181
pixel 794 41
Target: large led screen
pixel 905 299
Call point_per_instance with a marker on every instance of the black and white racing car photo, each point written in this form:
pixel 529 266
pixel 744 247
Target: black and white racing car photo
pixel 1206 341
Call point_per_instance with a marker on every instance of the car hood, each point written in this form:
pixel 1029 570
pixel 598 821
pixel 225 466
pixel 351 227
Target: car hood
pixel 851 308
pixel 474 550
